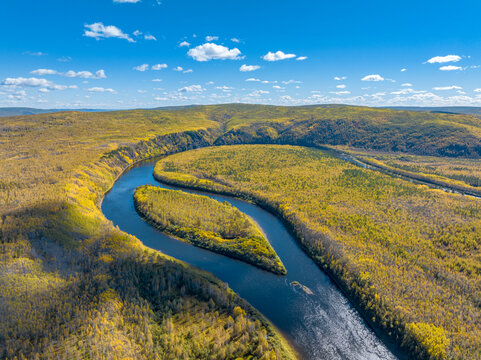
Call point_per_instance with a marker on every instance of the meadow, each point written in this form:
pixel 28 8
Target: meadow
pixel 407 254
pixel 208 224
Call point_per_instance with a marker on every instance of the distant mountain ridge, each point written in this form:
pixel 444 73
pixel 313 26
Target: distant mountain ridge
pixel 466 110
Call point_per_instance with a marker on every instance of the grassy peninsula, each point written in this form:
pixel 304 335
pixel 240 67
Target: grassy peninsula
pixel 409 255
pixel 207 223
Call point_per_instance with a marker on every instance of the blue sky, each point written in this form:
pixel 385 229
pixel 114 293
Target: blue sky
pixel 116 54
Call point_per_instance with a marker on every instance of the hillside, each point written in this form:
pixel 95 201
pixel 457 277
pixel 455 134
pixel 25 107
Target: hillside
pixel 58 252
pixel 408 254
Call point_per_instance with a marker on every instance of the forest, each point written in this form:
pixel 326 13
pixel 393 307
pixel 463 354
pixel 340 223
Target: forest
pixel 74 286
pixel 207 223
pixel 407 253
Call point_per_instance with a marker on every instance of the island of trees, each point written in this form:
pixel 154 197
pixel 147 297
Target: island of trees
pixel 207 223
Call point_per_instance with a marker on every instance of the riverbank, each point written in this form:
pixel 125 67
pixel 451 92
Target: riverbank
pixel 393 204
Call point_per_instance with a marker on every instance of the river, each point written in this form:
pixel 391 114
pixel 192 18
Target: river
pixel 322 325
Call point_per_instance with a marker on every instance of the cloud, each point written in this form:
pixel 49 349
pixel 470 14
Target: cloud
pixel 407 91
pixel 179 68
pixel 184 43
pixel 407 84
pixel 211 51
pixel 159 66
pixel 278 55
pixel 235 40
pixel 192 88
pixel 444 88
pixel 101 89
pixel 99 30
pixel 30 82
pixel 142 67
pixel 43 72
pixel 341 86
pixel 100 74
pixel 35 53
pixel 403 70
pixel 126 1
pixel 339 78
pixel 450 68
pixel 245 68
pixel 188 71
pixel 301 58
pixel 444 59
pixel 64 59
pixel 340 92
pixel 292 82
pixel 374 77
pixel 252 80
pixel 211 38
pixel 150 37
pixel 35 82
pixel 157 80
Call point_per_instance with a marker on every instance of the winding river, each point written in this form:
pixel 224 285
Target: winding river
pixel 322 325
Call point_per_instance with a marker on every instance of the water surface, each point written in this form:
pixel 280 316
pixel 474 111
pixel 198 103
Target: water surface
pixel 322 326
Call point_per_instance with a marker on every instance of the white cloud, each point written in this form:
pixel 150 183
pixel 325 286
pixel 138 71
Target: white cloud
pixel 444 59
pixel 278 55
pixel 100 74
pixel 252 80
pixel 235 40
pixel 292 82
pixel 157 80
pixel 142 67
pixel 339 78
pixel 101 89
pixel 192 88
pixel 340 92
pixel 64 59
pixel 407 84
pixel 30 82
pixel 99 30
pixel 126 1
pixel 374 77
pixel 188 71
pixel 403 70
pixel 184 43
pixel 245 67
pixel 142 91
pixel 278 87
pixel 407 91
pixel 341 86
pixel 159 66
pixel 450 68
pixel 35 82
pixel 211 51
pixel 179 68
pixel 137 33
pixel 300 58
pixel 149 37
pixel 161 98
pixel 444 88
pixel 477 90
pixel 43 72
pixel 211 38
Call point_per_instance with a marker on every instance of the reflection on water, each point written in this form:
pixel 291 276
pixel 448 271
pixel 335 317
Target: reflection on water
pixel 322 325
